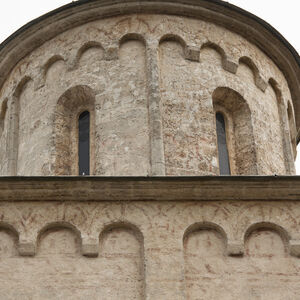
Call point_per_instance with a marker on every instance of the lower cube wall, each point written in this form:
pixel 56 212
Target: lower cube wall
pixel 149 250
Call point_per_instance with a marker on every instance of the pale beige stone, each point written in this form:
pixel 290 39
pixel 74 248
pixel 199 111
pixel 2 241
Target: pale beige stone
pixel 152 74
pixel 151 103
pixel 228 249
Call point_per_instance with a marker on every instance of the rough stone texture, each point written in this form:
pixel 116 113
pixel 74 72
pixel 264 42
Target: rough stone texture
pixel 72 242
pixel 150 249
pixel 153 109
pixel 59 271
pixel 152 84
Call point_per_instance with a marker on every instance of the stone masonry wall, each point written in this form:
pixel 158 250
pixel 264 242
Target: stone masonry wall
pixel 149 250
pixel 153 77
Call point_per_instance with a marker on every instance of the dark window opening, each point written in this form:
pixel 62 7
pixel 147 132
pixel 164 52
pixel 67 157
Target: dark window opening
pixel 222 145
pixel 84 143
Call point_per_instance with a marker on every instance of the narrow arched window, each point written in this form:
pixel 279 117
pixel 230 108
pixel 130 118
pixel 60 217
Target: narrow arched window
pixel 222 145
pixel 84 143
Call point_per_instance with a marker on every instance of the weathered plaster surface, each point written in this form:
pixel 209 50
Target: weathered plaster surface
pixel 195 238
pixel 157 250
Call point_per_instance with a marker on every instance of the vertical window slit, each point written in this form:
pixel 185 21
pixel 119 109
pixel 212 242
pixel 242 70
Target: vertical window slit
pixel 222 145
pixel 84 143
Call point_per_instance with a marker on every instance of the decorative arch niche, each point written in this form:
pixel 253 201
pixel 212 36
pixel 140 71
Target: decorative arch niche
pixel 284 122
pixel 204 247
pixel 122 244
pixel 227 64
pixel 70 106
pixel 266 240
pixel 9 238
pixel 14 125
pixel 51 61
pixel 59 239
pixel 239 130
pixel 91 51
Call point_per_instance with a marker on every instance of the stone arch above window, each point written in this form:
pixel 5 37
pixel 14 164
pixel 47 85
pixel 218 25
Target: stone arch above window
pixel 70 106
pixel 239 130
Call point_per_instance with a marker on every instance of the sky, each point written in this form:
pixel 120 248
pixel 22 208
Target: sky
pixel 282 15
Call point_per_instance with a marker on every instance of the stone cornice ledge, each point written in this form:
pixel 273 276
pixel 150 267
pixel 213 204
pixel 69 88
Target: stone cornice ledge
pixel 198 188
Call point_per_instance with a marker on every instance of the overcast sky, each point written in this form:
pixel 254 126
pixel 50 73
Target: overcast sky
pixel 282 15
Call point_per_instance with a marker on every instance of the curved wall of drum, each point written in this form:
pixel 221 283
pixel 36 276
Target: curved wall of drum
pixel 152 84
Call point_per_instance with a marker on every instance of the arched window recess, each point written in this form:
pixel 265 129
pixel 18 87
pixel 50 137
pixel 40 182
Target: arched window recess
pixel 224 165
pixel 84 143
pixel 74 132
pixel 234 133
